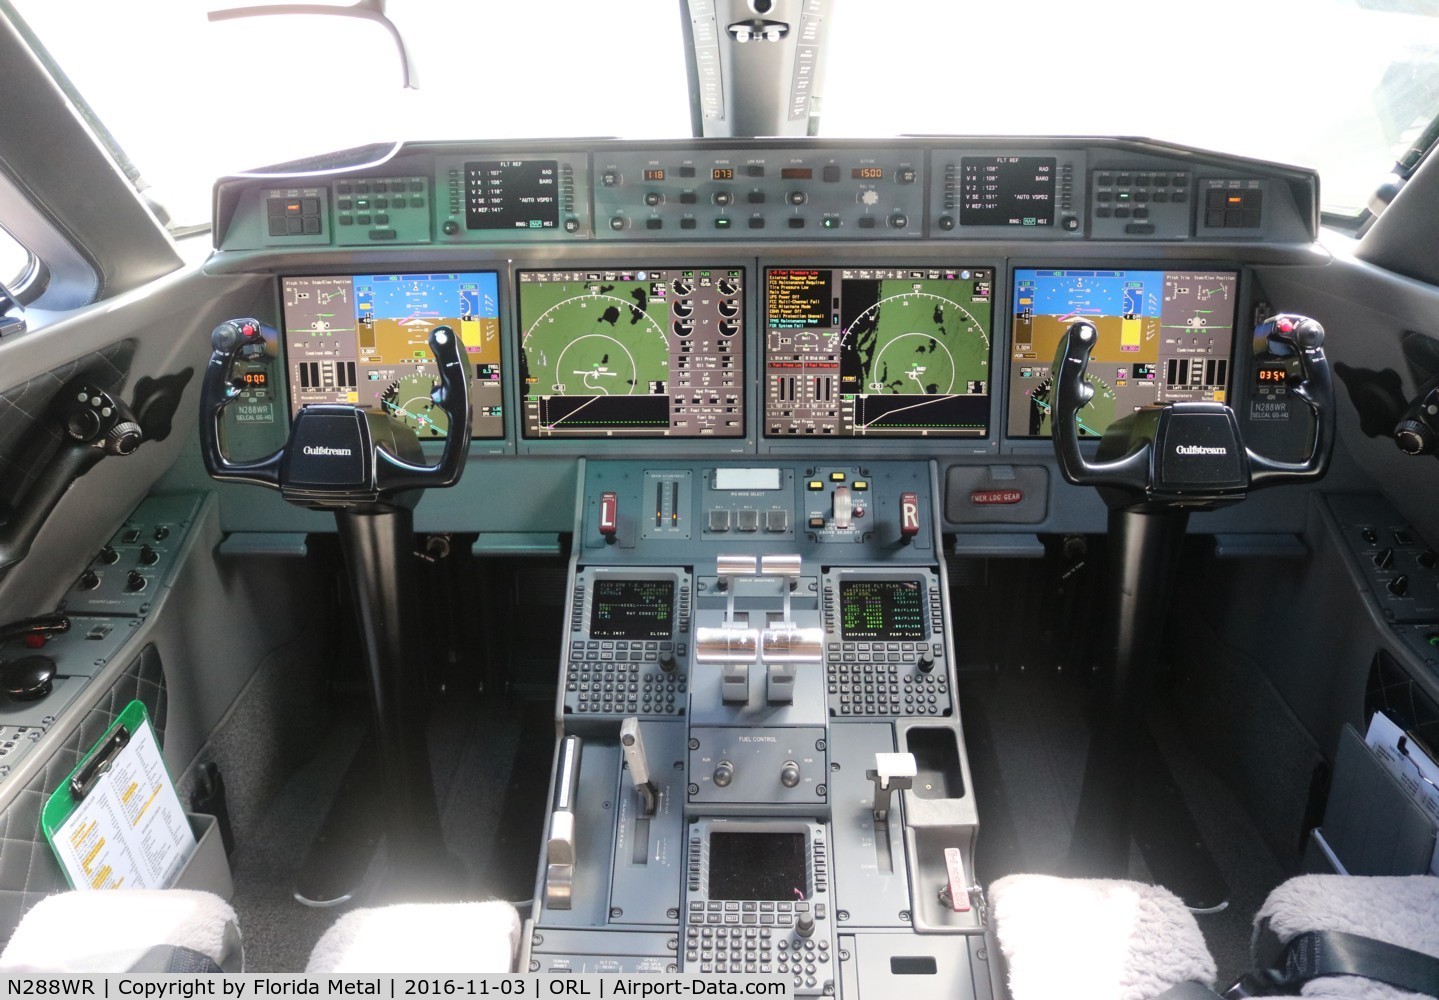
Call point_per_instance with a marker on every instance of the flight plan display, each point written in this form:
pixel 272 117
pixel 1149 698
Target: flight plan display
pixel 877 352
pixel 632 353
pixel 1164 336
pixel 363 339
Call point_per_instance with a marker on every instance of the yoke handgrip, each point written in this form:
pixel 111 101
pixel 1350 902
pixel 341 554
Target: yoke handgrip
pixel 1303 337
pixel 1071 394
pixel 216 393
pixel 453 397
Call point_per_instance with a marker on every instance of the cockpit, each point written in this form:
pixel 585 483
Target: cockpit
pixel 921 469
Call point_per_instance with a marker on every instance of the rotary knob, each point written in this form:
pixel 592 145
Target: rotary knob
pixel 123 438
pixel 1414 437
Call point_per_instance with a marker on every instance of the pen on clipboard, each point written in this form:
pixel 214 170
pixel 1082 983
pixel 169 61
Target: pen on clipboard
pixel 99 762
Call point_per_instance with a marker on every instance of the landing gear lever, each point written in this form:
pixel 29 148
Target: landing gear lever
pixel 368 470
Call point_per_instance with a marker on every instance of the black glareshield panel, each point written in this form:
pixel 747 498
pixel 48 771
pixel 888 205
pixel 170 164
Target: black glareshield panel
pixel 758 865
pixel 632 609
pixel 363 339
pixel 877 352
pixel 633 353
pixel 881 609
pixel 1164 336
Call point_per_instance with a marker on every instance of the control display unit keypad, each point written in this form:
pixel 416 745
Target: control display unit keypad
pixel 884 653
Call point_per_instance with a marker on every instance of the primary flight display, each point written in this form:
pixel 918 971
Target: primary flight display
pixel 1164 336
pixel 363 339
pixel 877 352
pixel 632 353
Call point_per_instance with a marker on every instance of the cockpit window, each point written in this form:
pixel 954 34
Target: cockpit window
pixel 1340 85
pixel 15 262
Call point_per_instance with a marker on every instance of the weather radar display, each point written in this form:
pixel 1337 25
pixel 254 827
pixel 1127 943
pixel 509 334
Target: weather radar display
pixel 641 353
pixel 877 352
pixel 364 340
pixel 1164 336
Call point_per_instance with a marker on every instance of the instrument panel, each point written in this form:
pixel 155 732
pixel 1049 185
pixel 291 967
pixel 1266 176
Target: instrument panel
pixel 741 297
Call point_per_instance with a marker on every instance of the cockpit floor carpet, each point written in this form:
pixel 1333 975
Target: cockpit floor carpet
pixel 1026 732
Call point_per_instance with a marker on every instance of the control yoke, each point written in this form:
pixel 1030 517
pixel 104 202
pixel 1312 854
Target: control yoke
pixel 338 456
pixel 1191 452
pixel 368 470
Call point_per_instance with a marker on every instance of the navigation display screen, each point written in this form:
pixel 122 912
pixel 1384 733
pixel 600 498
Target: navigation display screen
pixel 881 609
pixel 632 609
pixel 632 353
pixel 877 352
pixel 363 339
pixel 1007 190
pixel 512 194
pixel 758 866
pixel 1164 336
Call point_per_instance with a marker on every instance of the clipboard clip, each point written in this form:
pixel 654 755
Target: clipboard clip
pixel 98 764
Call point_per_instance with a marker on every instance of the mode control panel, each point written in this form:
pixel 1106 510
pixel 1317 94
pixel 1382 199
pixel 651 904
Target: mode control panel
pixel 760 193
pixel 1136 200
pixel 629 643
pixel 382 209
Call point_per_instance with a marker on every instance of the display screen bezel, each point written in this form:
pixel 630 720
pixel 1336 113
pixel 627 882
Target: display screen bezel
pixel 746 865
pixel 1011 419
pixel 610 589
pixel 490 429
pixel 885 631
pixel 767 405
pixel 569 438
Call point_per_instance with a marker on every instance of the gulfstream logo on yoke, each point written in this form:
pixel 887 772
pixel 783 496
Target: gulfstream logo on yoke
pixel 1201 449
pixel 319 449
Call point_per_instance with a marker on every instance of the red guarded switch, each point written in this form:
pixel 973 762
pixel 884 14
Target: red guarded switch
pixel 609 515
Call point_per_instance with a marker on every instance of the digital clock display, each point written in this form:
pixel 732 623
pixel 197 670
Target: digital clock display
pixel 867 173
pixel 1271 373
pixel 722 174
pixel 255 380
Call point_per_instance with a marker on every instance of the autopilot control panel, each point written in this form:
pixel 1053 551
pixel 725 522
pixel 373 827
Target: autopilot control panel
pixel 761 767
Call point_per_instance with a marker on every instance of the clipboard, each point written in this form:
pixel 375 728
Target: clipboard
pixel 115 821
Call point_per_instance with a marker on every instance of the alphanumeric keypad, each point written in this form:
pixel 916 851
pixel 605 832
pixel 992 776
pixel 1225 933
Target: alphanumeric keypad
pixel 887 678
pixel 754 937
pixel 624 677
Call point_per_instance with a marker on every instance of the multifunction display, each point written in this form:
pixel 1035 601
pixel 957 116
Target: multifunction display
pixel 1164 336
pixel 1007 190
pixel 632 609
pixel 637 353
pixel 758 865
pixel 512 194
pixel 363 339
pixel 894 352
pixel 881 609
